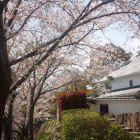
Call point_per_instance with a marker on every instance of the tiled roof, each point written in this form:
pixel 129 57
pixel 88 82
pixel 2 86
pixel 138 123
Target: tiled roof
pixel 127 92
pixel 116 99
pixel 130 68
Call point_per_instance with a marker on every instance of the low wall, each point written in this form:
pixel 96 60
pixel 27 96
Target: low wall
pixel 130 120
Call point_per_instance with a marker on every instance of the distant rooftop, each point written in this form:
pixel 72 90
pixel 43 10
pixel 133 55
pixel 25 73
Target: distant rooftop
pixel 127 92
pixel 131 67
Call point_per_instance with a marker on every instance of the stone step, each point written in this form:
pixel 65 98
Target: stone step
pixel 112 119
pixel 128 129
pixel 122 126
pixel 135 133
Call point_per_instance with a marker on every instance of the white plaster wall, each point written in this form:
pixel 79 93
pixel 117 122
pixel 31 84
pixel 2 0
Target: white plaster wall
pixel 123 82
pixel 117 107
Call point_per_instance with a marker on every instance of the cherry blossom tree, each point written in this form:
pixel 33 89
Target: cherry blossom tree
pixel 36 90
pixel 105 59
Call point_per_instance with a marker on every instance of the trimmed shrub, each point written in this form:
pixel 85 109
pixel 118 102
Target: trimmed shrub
pixel 83 124
pixel 71 100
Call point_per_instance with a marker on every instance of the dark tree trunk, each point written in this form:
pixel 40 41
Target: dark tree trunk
pixel 30 123
pixel 8 120
pixel 76 88
pixel 30 119
pixel 5 73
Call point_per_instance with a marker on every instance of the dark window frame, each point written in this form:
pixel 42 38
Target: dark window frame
pixel 104 108
pixel 131 83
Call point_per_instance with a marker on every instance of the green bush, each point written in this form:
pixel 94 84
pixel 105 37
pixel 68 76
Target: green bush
pixel 45 136
pixel 115 132
pixel 53 109
pixel 83 124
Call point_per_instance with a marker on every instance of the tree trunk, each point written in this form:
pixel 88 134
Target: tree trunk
pixel 30 124
pixel 9 120
pixel 30 119
pixel 2 107
pixel 5 73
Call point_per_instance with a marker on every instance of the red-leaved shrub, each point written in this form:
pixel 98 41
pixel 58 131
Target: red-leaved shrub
pixel 71 100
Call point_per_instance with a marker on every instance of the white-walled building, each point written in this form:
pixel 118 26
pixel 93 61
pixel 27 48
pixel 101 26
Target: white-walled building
pixel 123 96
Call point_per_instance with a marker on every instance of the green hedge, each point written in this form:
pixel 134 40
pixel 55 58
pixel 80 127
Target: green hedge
pixel 83 124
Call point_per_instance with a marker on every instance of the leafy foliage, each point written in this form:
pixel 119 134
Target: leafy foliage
pixel 108 82
pixel 47 130
pixel 91 92
pixel 110 78
pixel 115 132
pixel 79 82
pixel 53 109
pixel 58 93
pixel 87 125
pixel 45 136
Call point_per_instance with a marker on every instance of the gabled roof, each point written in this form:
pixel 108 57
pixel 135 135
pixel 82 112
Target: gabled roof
pixel 130 68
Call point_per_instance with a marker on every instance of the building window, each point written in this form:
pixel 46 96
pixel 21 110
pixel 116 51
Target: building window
pixel 131 83
pixel 104 108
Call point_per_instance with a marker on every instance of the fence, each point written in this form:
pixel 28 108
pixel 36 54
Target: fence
pixel 130 120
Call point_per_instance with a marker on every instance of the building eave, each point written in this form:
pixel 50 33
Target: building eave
pixel 116 99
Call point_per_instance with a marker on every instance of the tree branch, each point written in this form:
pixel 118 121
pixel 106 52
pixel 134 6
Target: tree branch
pixel 56 87
pixel 53 47
pixel 14 13
pixel 103 3
pixel 106 15
pixel 46 76
pixel 24 77
pixel 33 53
pixel 25 21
